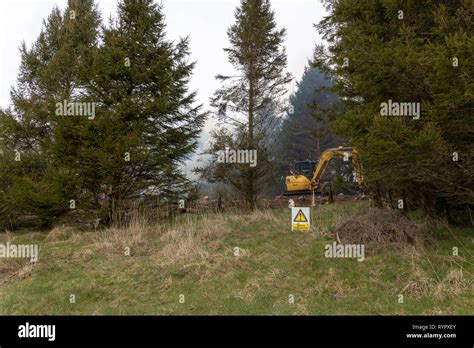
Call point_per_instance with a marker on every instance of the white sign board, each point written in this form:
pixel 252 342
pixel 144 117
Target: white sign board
pixel 300 219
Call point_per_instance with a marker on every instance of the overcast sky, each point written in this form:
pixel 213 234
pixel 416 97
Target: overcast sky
pixel 206 23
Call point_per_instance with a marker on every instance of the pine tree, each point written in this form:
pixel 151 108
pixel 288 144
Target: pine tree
pixel 411 51
pixel 305 132
pixel 250 101
pixel 34 181
pixel 146 122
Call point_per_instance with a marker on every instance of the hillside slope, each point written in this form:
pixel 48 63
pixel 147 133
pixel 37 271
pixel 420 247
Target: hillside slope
pixel 273 271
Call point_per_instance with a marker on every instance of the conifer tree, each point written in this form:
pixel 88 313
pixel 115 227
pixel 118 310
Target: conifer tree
pixel 146 120
pixel 34 181
pixel 305 133
pixel 407 52
pixel 251 100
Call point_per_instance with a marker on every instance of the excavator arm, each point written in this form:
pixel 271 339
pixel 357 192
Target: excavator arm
pixel 327 156
pixel 300 183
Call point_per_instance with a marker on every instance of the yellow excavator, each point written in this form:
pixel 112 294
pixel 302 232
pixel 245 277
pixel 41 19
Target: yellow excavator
pixel 306 176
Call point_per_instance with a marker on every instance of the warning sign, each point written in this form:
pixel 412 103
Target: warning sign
pixel 300 219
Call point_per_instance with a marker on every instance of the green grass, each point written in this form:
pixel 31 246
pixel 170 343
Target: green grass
pixel 273 264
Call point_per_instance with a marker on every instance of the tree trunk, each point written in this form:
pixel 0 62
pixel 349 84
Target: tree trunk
pixel 330 195
pixel 251 191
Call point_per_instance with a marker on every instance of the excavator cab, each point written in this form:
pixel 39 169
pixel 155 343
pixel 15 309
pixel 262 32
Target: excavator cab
pixel 305 168
pixel 300 172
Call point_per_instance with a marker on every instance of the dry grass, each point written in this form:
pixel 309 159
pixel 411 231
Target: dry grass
pixel 118 240
pixel 266 215
pixel 181 242
pixel 59 234
pixel 422 283
pixel 197 240
pixel 454 283
pixel 194 254
pixel 333 283
pixel 16 269
pixel 192 240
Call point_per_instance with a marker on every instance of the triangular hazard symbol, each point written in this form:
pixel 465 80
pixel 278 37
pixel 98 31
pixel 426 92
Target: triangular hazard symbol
pixel 300 217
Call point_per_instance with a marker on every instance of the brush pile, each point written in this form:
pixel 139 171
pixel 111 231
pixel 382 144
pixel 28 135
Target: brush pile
pixel 382 229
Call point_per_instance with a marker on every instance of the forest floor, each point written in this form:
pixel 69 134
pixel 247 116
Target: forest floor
pixel 234 264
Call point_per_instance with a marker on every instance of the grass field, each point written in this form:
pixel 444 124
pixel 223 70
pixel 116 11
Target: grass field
pixel 190 267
